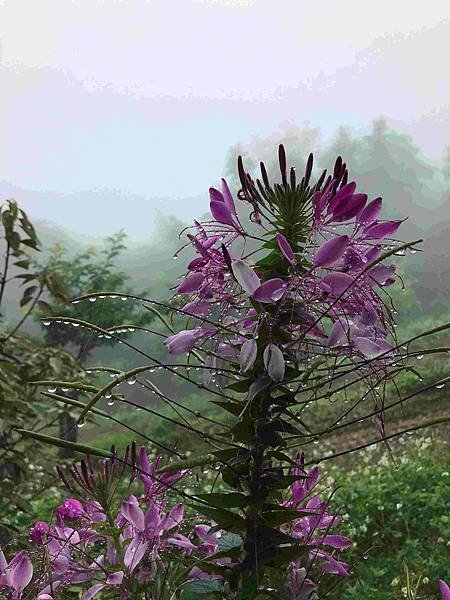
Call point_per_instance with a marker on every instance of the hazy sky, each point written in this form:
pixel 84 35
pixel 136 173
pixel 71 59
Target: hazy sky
pixel 147 97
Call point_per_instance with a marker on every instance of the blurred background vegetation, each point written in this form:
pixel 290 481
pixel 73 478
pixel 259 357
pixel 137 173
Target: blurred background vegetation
pixel 396 513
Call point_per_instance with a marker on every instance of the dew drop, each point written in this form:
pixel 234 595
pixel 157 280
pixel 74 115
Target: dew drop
pixel 108 395
pixel 123 298
pixel 46 323
pixel 52 390
pixel 110 402
pixel 92 299
pixel 75 301
pixel 81 424
pixel 131 381
pixel 440 386
pixel 419 357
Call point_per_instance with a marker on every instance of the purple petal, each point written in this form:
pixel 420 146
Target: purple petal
pixel 381 273
pixel 134 553
pixel 335 541
pixel 369 316
pixel 349 208
pixel 115 578
pixel 215 195
pixel 334 566
pixel 173 518
pixel 184 341
pixel 286 249
pixel 372 254
pixel 444 589
pixel 336 283
pixel 371 212
pixel 228 198
pixel 274 363
pixel 198 308
pixel 133 514
pixel 182 542
pixel 368 348
pixel 338 334
pixel 21 574
pixel 248 354
pixel 245 276
pixel 378 231
pixel 331 251
pixel 199 246
pixel 191 283
pixel 197 263
pixel 270 291
pixel 152 518
pixel 344 192
pixel 221 213
pixel 91 592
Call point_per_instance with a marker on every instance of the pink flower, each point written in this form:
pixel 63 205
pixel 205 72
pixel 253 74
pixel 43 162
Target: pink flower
pixel 71 509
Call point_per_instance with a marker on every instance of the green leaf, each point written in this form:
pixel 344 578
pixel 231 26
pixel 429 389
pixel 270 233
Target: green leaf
pixel 230 500
pixel 192 589
pixel 229 541
pixel 240 386
pixel 234 408
pixel 82 448
pixel 244 430
pixel 225 518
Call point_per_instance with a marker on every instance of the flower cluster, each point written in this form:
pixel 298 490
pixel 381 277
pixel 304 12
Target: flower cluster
pixel 331 283
pixel 100 543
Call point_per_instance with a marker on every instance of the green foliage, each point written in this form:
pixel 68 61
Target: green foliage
pixel 398 516
pixel 90 271
pixel 24 359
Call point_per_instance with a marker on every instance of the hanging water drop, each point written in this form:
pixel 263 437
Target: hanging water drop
pixel 52 390
pixel 46 323
pixel 81 424
pixel 419 357
pixel 131 381
pixel 440 386
pixel 92 299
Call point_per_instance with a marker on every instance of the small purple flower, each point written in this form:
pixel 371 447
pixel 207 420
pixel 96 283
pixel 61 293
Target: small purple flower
pixel 444 589
pixel 70 510
pixel 39 532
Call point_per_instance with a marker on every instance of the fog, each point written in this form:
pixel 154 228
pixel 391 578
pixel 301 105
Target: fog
pixel 114 111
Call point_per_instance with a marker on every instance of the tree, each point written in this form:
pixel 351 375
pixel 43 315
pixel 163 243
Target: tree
pixel 23 359
pixel 90 271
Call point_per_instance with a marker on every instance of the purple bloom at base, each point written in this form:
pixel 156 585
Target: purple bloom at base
pixel 39 532
pixel 71 509
pixel 299 587
pixel 444 589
